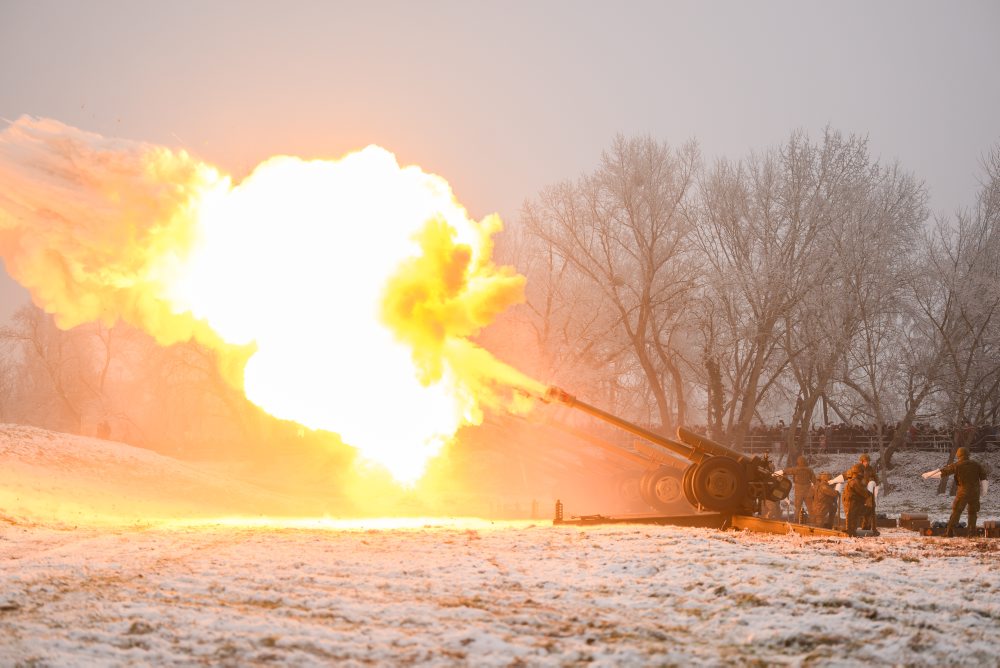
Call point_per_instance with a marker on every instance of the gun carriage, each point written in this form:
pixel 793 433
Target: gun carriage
pixel 717 478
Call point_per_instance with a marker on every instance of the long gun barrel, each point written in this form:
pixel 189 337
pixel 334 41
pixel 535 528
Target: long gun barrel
pixel 719 477
pixel 703 444
pixel 555 394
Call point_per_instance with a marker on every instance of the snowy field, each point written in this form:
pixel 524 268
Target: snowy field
pixel 477 593
pixel 270 591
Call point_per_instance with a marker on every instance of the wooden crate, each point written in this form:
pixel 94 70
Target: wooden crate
pixel 914 521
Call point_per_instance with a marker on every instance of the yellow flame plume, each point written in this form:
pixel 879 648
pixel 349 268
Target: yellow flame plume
pixel 352 285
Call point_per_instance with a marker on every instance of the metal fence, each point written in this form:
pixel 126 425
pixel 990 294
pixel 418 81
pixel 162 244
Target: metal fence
pixel 758 444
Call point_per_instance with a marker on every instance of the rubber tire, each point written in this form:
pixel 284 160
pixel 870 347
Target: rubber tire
pixel 687 485
pixel 720 484
pixel 629 488
pixel 665 489
pixel 644 491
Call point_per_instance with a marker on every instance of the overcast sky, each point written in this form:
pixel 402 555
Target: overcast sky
pixel 503 98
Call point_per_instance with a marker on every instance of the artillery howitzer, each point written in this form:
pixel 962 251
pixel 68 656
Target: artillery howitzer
pixel 719 478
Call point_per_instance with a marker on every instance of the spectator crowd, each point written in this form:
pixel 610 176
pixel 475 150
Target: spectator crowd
pixel 859 438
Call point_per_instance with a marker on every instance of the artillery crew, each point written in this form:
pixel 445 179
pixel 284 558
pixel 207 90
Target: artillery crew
pixel 855 498
pixel 968 474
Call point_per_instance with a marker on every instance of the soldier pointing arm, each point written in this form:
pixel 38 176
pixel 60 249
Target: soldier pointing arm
pixel 969 475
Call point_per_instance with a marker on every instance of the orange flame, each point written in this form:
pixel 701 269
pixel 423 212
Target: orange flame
pixel 356 283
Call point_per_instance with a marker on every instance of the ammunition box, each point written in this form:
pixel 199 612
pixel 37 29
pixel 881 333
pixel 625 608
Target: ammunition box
pixel 914 521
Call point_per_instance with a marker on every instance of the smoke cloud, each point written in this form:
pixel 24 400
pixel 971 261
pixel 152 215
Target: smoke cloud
pixel 96 228
pixel 351 287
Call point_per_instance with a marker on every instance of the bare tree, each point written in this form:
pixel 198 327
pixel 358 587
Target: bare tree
pixel 764 226
pixel 52 391
pixel 8 380
pixel 570 335
pixel 871 239
pixel 621 232
pixel 960 297
pixel 174 399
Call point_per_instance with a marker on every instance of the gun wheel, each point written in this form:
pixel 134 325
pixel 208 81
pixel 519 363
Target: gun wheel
pixel 687 485
pixel 627 485
pixel 720 484
pixel 663 487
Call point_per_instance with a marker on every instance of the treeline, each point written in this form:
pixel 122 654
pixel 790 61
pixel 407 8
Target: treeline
pixel 806 281
pixel 119 383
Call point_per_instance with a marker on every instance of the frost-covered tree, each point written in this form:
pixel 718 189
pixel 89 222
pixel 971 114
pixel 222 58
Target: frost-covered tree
pixel 52 388
pixel 174 399
pixel 760 224
pixel 798 277
pixel 960 297
pixel 802 241
pixel 619 239
pixel 561 331
pixel 8 380
pixel 848 320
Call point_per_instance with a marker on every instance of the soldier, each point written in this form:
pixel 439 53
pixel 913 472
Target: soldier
pixel 867 470
pixel 824 502
pixel 855 497
pixel 968 474
pixel 769 509
pixel 868 476
pixel 802 479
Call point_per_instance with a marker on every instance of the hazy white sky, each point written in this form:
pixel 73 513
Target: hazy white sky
pixel 503 98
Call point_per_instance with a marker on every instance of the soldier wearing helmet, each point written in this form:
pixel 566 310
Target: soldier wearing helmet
pixel 855 497
pixel 802 478
pixel 867 470
pixel 969 475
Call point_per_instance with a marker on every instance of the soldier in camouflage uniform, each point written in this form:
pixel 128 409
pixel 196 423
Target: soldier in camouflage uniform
pixel 868 519
pixel 968 474
pixel 824 502
pixel 802 479
pixel 855 498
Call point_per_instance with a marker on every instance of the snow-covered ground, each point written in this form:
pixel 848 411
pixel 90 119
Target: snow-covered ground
pixel 272 590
